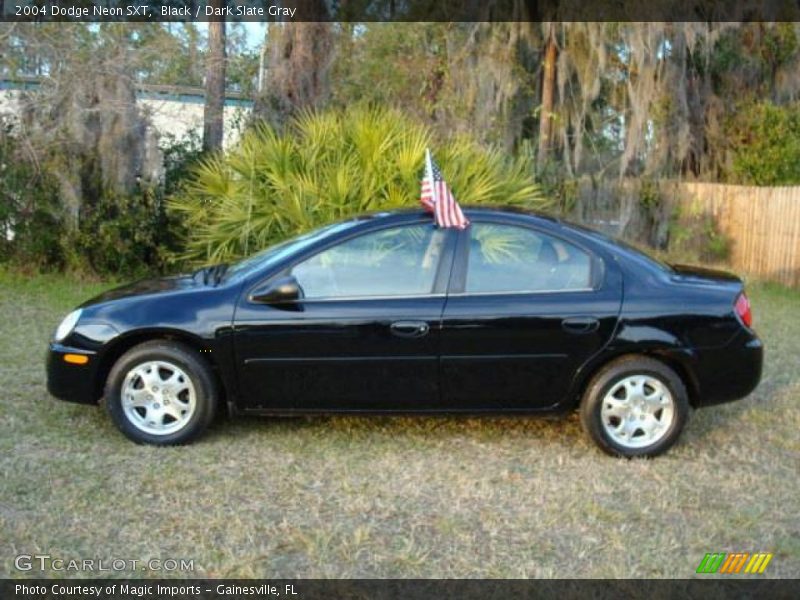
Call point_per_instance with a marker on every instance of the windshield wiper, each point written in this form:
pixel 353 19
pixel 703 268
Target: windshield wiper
pixel 197 272
pixel 206 271
pixel 213 273
pixel 218 271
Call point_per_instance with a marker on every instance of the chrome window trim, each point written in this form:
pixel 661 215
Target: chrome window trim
pixel 525 292
pixel 437 296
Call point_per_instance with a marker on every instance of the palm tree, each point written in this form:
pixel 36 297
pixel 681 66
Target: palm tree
pixel 325 166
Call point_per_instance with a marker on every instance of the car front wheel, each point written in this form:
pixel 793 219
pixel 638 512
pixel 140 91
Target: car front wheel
pixel 161 393
pixel 635 406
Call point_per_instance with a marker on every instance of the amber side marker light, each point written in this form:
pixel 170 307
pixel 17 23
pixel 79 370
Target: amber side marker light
pixel 76 359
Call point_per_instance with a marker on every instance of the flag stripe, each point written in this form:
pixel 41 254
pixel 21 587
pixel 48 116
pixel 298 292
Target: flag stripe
pixel 437 198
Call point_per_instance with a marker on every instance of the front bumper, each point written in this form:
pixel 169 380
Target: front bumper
pixel 69 381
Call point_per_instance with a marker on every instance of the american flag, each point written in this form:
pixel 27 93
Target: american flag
pixel 437 198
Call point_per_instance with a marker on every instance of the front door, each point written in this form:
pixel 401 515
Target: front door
pixel 365 335
pixel 526 310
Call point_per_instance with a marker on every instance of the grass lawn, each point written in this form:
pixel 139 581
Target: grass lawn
pixel 393 497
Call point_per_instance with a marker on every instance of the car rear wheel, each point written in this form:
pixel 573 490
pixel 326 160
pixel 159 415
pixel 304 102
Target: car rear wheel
pixel 161 393
pixel 635 406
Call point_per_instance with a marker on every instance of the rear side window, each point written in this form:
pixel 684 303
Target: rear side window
pixel 508 258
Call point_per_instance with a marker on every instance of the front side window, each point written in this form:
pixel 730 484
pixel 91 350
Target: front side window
pixel 401 261
pixel 507 258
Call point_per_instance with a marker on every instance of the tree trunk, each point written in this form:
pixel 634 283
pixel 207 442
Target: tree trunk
pixel 548 97
pixel 213 115
pixel 297 63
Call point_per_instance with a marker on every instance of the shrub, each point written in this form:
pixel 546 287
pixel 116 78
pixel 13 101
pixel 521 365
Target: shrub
pixel 120 235
pixel 123 235
pixel 694 236
pixel 135 234
pixel 765 141
pixel 327 166
pixel 30 213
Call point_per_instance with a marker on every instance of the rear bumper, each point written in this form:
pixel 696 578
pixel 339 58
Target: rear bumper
pixel 71 382
pixel 728 373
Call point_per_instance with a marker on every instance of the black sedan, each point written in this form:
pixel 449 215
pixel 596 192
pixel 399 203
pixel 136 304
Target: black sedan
pixel 517 314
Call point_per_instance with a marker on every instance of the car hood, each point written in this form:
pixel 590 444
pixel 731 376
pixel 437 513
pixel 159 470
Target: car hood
pixel 148 287
pixel 703 275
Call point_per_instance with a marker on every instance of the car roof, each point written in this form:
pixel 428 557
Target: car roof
pixel 469 210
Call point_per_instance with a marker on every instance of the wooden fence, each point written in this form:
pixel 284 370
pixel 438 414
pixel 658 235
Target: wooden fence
pixel 759 225
pixel 762 225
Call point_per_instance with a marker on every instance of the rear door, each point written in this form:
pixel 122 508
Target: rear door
pixel 526 309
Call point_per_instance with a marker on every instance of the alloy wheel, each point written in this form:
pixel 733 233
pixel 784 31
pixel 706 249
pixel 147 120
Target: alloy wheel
pixel 158 397
pixel 637 411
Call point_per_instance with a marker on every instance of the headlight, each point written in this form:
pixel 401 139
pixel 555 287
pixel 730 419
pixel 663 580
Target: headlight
pixel 67 325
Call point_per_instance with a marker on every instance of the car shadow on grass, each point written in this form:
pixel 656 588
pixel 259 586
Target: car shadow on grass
pixel 555 433
pixel 408 430
pixel 734 418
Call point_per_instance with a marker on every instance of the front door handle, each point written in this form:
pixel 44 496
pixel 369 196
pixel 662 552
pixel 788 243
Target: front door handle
pixel 580 324
pixel 409 329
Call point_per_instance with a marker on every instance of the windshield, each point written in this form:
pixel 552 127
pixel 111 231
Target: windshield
pixel 278 252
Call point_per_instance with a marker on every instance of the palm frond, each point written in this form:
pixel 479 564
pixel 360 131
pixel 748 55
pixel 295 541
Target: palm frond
pixel 327 166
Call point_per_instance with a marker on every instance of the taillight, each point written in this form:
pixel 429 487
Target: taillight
pixel 743 311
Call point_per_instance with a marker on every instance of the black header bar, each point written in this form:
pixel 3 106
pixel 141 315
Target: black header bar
pixel 399 10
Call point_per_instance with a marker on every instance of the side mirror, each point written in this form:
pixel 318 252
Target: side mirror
pixel 283 289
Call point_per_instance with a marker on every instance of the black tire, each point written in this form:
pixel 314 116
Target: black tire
pixel 614 376
pixel 191 370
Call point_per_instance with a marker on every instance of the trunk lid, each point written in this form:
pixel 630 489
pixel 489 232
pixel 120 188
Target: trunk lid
pixel 693 274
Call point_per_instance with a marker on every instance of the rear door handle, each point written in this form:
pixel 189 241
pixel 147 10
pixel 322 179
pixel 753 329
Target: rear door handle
pixel 409 329
pixel 580 324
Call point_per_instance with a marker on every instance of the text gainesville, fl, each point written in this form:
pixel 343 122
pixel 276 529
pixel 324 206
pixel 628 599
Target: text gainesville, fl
pixel 125 589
